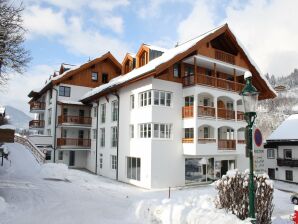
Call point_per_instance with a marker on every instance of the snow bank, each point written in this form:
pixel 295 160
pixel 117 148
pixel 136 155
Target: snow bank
pixel 58 171
pixel 11 127
pixel 3 204
pixel 194 209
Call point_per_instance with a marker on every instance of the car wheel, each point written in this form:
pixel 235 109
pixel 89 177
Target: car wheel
pixel 295 201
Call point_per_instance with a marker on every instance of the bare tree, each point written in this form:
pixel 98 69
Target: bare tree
pixel 14 58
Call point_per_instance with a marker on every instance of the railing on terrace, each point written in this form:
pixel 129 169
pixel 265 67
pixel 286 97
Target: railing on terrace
pixel 225 114
pixel 206 140
pixel 187 111
pixel 225 57
pixel 75 142
pixel 240 116
pixel 74 120
pixel 204 111
pixel 35 105
pixel 241 141
pixel 225 144
pixel 187 140
pixel 36 124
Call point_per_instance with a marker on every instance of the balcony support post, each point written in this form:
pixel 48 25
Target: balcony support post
pixel 215 73
pixel 195 69
pixel 235 80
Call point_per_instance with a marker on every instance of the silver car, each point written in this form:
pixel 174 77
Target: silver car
pixel 294 198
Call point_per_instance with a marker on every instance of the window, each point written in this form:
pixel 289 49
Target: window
pixel 208 72
pixel 100 160
pixel 188 101
pixel 289 175
pixel 113 162
pixel 162 98
pixel 103 113
pixel 143 59
pixel 131 128
pixel 114 136
pixel 168 99
pixel 145 130
pixel 49 155
pixel 189 70
pixel 145 98
pixel 49 132
pixel 102 137
pixel 94 111
pixel 287 153
pixel 270 154
pixel 133 168
pixel 94 133
pixel 64 133
pixel 188 133
pixel 49 116
pixel 65 111
pixel 206 132
pixel 156 97
pixel 50 96
pixel 105 78
pixel 94 76
pixel 115 110
pixel 64 91
pixel 160 131
pixel 60 155
pixel 177 70
pixel 132 102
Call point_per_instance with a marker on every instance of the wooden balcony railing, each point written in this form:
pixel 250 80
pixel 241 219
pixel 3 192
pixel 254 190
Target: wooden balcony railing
pixel 206 80
pixel 187 111
pixel 241 141
pixel 287 162
pixel 74 142
pixel 75 120
pixel 35 105
pixel 36 124
pixel 225 84
pixel 187 140
pixel 206 140
pixel 226 144
pixel 224 56
pixel 225 114
pixel 188 80
pixel 204 111
pixel 240 116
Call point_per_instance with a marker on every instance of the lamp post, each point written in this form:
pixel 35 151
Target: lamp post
pixel 250 99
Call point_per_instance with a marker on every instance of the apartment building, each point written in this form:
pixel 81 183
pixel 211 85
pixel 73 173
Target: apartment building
pixel 62 124
pixel 282 151
pixel 175 116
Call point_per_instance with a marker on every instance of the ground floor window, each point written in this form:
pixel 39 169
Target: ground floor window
pixel 48 155
pixel 289 175
pixel 100 161
pixel 133 168
pixel 60 155
pixel 270 154
pixel 113 162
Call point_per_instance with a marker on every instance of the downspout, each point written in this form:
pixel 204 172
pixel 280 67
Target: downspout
pixel 96 143
pixel 55 124
pixel 117 160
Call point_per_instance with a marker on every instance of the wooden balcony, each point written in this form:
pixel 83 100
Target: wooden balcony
pixel 206 140
pixel 240 116
pixel 204 111
pixel 77 120
pixel 241 141
pixel 36 124
pixel 225 114
pixel 225 144
pixel 187 111
pixel 35 105
pixel 187 140
pixel 224 56
pixel 74 142
pixel 287 162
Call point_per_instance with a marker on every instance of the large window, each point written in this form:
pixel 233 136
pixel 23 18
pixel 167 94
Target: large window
pixel 113 162
pixel 64 91
pixel 270 154
pixel 188 133
pixel 60 155
pixel 133 168
pixel 105 78
pixel 94 76
pixel 114 136
pixel 49 155
pixel 132 131
pixel 115 110
pixel 177 70
pixel 94 111
pixel 102 137
pixel 162 98
pixel 289 175
pixel 160 131
pixel 287 153
pixel 145 98
pixel 103 113
pixel 188 101
pixel 145 130
pixel 132 101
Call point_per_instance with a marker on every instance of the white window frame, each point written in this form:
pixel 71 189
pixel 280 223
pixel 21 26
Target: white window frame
pixel 102 137
pixel 94 133
pixel 132 102
pixel 94 111
pixel 113 162
pixel 130 174
pixel 114 136
pixel 102 113
pixel 131 131
pixel 270 154
pixel 60 155
pixel 145 130
pixel 100 160
pixel 114 110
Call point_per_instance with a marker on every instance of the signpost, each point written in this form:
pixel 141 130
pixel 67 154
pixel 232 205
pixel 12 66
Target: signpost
pixel 259 152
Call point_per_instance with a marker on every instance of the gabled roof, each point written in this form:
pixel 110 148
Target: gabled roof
pixel 155 48
pixel 128 55
pixel 287 130
pixel 171 56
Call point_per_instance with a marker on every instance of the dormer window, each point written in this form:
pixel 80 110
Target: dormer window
pixel 105 78
pixel 177 70
pixel 94 76
pixel 143 59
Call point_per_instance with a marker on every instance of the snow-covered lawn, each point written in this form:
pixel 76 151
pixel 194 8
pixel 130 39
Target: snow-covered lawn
pixel 30 193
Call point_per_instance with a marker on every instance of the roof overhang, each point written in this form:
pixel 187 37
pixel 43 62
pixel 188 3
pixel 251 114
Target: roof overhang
pixel 280 142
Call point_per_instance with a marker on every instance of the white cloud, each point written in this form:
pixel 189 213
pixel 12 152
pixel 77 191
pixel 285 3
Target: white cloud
pixel 268 29
pixel 115 23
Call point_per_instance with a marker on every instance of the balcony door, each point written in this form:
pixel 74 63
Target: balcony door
pixel 71 158
pixel 80 138
pixel 81 116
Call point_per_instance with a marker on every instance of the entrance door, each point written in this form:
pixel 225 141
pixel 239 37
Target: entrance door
pixel 71 158
pixel 271 173
pixel 224 167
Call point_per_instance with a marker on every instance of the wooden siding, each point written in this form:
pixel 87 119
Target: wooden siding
pixel 6 136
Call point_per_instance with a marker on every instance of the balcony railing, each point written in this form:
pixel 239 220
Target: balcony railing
pixel 187 111
pixel 224 56
pixel 204 111
pixel 187 140
pixel 226 144
pixel 75 120
pixel 74 142
pixel 206 80
pixel 241 141
pixel 225 114
pixel 240 116
pixel 35 105
pixel 36 124
pixel 287 162
pixel 206 140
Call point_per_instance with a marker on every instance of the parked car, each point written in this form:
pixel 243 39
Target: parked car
pixel 294 198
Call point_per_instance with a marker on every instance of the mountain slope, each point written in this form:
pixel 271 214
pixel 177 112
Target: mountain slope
pixel 17 118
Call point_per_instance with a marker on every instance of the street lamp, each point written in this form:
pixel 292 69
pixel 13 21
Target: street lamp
pixel 250 100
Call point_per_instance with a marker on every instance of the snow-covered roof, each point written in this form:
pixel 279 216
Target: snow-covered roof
pixel 11 127
pixel 156 48
pixel 70 102
pixel 295 108
pixel 287 130
pixel 132 55
pixel 165 57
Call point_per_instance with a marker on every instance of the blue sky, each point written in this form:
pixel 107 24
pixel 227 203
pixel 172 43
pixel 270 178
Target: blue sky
pixel 71 31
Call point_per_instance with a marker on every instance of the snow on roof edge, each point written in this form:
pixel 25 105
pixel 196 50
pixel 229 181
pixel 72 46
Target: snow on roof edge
pixel 285 130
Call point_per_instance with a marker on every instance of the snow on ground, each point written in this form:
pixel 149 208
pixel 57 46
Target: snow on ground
pixel 34 194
